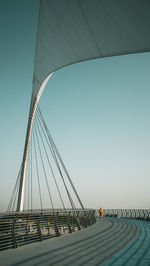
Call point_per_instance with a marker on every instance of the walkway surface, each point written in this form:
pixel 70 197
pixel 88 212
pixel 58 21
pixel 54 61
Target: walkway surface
pixel 111 241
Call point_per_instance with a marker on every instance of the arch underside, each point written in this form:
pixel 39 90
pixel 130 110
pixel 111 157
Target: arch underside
pixel 71 31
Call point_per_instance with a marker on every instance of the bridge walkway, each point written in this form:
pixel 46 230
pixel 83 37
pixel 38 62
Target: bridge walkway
pixel 137 252
pixel 111 241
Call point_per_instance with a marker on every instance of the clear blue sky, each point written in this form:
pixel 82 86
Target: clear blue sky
pixel 98 113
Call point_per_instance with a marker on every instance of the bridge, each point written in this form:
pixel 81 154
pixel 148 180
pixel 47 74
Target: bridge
pixel 46 222
pixel 111 241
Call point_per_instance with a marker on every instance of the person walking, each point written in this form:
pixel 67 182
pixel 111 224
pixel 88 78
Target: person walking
pixel 101 212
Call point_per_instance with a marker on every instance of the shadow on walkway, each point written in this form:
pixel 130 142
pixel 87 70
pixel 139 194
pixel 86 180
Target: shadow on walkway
pixel 92 246
pixel 135 253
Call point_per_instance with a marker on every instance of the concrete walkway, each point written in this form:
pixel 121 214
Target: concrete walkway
pixel 110 241
pixel 138 251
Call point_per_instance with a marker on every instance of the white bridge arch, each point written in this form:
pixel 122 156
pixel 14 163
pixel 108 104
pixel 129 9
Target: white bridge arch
pixel 71 31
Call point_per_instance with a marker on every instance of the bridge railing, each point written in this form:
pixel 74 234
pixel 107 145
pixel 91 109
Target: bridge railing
pixel 141 214
pixel 17 229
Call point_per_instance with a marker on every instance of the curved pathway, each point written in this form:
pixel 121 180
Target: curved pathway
pixel 111 241
pixel 138 251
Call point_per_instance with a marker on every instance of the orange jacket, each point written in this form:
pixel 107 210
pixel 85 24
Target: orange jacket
pixel 101 212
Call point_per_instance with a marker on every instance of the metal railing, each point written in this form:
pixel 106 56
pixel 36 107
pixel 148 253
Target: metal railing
pixel 17 229
pixel 128 213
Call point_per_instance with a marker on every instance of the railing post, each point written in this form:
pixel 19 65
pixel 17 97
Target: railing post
pixel 13 232
pixel 78 220
pixel 55 223
pixel 39 228
pixel 68 222
pixel 93 217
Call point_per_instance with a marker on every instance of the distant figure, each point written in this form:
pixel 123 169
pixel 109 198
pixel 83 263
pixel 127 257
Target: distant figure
pixel 101 213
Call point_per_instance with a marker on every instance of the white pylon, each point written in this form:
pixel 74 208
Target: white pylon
pixel 33 106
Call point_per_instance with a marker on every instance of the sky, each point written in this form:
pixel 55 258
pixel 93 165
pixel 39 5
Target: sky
pixel 97 111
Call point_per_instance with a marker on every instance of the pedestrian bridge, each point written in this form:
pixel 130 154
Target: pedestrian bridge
pixel 110 241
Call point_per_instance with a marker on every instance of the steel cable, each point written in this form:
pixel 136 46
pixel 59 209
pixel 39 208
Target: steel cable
pixel 60 172
pixel 14 191
pixel 37 168
pixel 59 157
pixel 49 162
pixel 50 197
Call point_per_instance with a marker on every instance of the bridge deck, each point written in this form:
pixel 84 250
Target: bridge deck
pixel 110 241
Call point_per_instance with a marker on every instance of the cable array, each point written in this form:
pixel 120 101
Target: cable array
pixel 48 183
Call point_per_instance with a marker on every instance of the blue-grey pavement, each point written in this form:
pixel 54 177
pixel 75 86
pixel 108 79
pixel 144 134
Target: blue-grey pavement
pixel 137 252
pixel 111 241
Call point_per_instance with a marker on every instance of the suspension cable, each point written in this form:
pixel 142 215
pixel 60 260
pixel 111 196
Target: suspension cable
pixel 29 166
pixel 50 197
pixel 15 197
pixel 37 168
pixel 14 191
pixel 31 171
pixel 61 161
pixel 60 172
pixel 41 130
pixel 37 119
pixel 67 174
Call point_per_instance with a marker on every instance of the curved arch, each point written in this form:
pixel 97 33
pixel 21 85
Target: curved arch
pixel 74 31
pixel 33 106
pixel 78 30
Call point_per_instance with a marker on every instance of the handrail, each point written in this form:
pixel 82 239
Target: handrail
pixel 141 214
pixel 20 228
